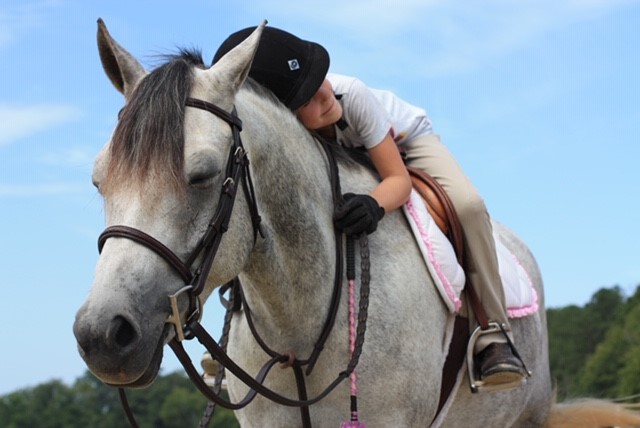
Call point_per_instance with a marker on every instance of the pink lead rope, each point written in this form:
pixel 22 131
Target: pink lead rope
pixel 354 422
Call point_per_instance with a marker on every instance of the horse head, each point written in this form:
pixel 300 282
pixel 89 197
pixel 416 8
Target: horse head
pixel 161 174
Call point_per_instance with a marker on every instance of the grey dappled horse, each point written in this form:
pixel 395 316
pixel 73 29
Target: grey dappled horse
pixel 162 175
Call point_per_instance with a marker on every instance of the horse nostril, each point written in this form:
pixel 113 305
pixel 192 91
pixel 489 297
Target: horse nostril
pixel 121 332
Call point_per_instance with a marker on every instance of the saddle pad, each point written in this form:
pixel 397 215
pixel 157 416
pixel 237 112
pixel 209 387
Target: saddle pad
pixel 448 275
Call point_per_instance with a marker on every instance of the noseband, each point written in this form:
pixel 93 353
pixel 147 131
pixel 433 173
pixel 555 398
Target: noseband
pixel 237 173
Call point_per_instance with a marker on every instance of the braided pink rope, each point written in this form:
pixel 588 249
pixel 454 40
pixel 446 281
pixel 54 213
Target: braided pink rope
pixel 353 423
pixel 352 333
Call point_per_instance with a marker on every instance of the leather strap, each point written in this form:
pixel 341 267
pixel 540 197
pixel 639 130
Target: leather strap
pixel 231 118
pixel 336 193
pixel 150 242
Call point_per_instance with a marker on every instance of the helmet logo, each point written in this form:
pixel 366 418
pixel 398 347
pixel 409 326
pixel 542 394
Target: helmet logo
pixel 293 64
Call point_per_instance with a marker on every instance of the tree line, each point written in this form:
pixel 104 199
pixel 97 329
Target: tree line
pixel 594 351
pixel 171 402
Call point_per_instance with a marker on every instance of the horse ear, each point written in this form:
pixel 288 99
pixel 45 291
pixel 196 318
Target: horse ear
pixel 121 67
pixel 233 68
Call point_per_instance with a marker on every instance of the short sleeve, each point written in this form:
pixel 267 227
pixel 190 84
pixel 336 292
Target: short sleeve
pixel 367 118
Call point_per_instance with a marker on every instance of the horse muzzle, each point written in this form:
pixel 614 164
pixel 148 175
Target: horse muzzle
pixel 115 349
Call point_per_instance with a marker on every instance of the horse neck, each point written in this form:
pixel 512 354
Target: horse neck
pixel 290 273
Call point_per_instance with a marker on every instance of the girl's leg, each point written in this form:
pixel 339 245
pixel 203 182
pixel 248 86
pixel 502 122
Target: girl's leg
pixel 430 155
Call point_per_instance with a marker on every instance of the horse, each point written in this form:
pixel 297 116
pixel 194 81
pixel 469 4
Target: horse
pixel 162 178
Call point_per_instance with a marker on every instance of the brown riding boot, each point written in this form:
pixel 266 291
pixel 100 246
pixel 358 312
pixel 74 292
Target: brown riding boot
pixel 499 366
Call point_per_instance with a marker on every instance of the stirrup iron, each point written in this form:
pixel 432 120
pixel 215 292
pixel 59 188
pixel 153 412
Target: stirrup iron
pixel 476 384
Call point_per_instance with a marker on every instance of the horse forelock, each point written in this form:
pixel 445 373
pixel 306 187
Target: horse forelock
pixel 148 140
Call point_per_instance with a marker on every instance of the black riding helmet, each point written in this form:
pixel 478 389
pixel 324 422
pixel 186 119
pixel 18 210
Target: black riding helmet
pixel 292 68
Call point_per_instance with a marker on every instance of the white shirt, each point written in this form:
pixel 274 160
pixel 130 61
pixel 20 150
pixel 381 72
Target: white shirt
pixel 372 113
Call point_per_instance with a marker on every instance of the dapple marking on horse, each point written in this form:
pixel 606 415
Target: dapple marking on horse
pixel 161 173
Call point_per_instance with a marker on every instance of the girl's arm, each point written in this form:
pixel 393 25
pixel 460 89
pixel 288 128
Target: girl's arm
pixel 361 213
pixel 395 187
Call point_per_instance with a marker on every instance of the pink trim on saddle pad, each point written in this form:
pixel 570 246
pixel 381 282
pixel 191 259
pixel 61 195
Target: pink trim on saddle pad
pixel 435 252
pixel 521 297
pixel 525 311
pixel 448 276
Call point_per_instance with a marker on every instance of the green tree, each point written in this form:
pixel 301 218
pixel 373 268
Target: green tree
pixel 566 347
pixel 100 403
pixel 613 370
pixel 14 411
pixel 629 375
pixel 182 407
pixel 171 402
pixel 600 374
pixel 603 310
pixel 49 405
pixel 574 335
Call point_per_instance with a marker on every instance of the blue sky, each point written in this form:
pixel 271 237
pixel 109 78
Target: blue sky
pixel 538 100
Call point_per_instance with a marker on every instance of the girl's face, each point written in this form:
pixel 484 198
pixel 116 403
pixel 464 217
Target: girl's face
pixel 322 110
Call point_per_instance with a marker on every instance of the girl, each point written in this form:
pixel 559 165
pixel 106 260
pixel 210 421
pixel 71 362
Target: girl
pixel 344 109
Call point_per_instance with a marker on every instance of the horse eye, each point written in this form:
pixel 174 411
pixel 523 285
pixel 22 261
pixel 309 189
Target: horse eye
pixel 96 183
pixel 201 169
pixel 201 181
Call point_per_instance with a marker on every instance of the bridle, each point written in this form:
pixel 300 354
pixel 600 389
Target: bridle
pixel 195 276
pixel 237 173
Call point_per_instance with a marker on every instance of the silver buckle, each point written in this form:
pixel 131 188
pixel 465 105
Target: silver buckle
pixel 174 318
pixel 478 385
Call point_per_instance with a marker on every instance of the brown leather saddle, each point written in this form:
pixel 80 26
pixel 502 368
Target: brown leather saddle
pixel 439 207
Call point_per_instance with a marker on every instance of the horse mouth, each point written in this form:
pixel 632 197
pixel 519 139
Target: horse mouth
pixel 152 370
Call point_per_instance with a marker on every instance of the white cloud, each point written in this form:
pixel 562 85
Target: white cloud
pixel 24 121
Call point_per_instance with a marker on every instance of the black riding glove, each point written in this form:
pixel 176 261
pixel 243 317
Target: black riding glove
pixel 358 213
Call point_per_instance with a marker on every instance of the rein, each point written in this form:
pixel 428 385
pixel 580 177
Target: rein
pixel 237 173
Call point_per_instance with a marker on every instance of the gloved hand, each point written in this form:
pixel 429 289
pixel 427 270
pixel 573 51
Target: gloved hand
pixel 358 213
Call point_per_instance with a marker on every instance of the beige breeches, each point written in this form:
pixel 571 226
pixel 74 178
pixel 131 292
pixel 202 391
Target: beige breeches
pixel 430 155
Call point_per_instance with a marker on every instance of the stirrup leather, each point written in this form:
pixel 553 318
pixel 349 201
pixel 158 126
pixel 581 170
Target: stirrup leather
pixel 476 384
